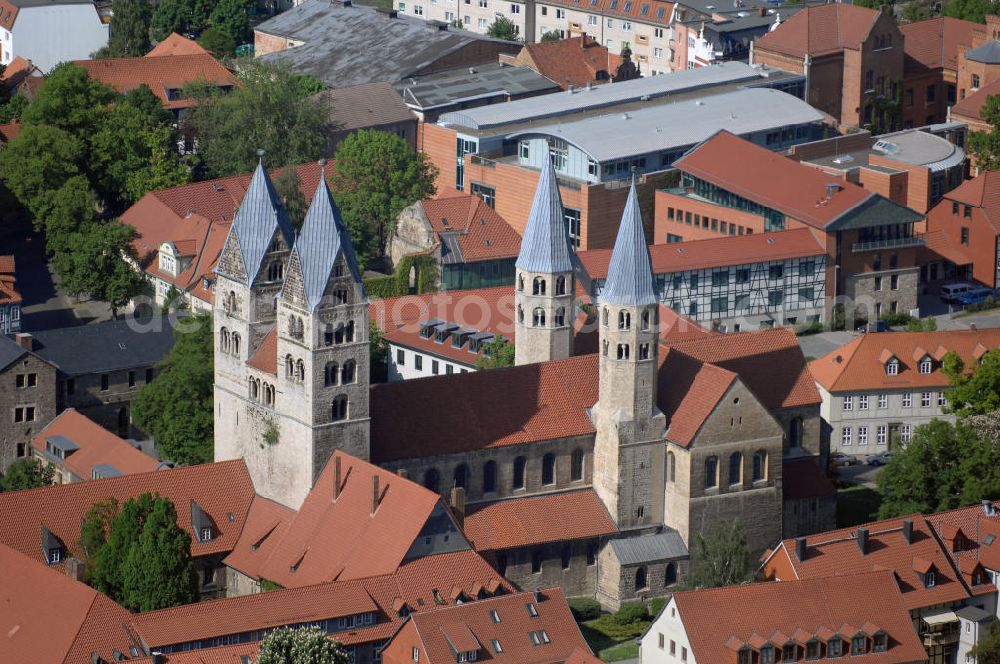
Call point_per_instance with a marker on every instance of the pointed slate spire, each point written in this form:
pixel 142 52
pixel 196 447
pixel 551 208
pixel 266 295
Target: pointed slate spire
pixel 545 246
pixel 323 238
pixel 630 274
pixel 259 216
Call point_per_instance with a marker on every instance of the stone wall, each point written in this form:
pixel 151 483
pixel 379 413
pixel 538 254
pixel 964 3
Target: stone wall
pixel 578 578
pixel 806 516
pixel 111 407
pixel 15 437
pixel 412 234
pixel 879 298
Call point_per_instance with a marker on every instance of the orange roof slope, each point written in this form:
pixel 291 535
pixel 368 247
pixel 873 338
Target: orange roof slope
pixel 520 522
pixel 97 446
pixel 314 547
pixel 478 630
pixel 175 44
pixel 860 363
pixel 973 105
pixel 770 179
pixel 688 391
pixel 160 74
pixel 481 232
pixel 983 192
pixel 222 490
pixel 971 536
pixel 935 42
pixel 820 30
pixel 837 552
pixel 265 525
pixel 574 61
pixel 719 621
pixel 47 617
pixel 715 252
pixel 266 357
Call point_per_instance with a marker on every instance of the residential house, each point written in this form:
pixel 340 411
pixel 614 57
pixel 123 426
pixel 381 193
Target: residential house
pixel 968 221
pixel 733 282
pixel 79 449
pixel 859 615
pixel 183 229
pixel 574 62
pixel 27 398
pixel 931 67
pixel 101 367
pixel 375 106
pixel 851 55
pixel 878 387
pixel 871 242
pixel 18 73
pixel 529 628
pixel 10 299
pixel 47 33
pixel 473 246
pixel 334 41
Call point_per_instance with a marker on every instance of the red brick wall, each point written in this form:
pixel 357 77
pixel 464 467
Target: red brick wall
pixel 664 225
pixel 982 238
pixel 918 187
pixel 438 143
pixel 893 186
pixel 264 43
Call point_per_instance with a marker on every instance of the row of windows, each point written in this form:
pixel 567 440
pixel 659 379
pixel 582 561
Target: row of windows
pixel 261 392
pixel 539 285
pixel 334 374
pixel 758 472
pixel 708 223
pixel 538 317
pixel 229 342
pixel 418 363
pixel 460 476
pixel 624 351
pixel 905 433
pixel 864 401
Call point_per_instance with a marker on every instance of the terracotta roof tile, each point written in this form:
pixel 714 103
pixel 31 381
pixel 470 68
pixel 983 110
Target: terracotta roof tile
pixel 936 42
pixel 160 74
pixel 972 106
pixel 983 192
pixel 221 489
pixel 803 478
pixel 481 232
pixel 7 264
pixel 582 656
pixel 220 655
pixel 752 171
pixel 175 44
pixel 521 522
pixel 858 364
pixel 689 390
pixel 265 525
pixel 981 543
pixel 821 29
pixel 815 607
pixel 574 61
pixel 266 357
pixel 97 446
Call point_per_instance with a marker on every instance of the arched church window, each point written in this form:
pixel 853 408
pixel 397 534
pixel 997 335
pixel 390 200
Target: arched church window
pixel 538 317
pixel 338 409
pixel 236 343
pixel 349 334
pixel 230 305
pixel 759 465
pixel 252 388
pixel 520 314
pixel 520 282
pixel 624 351
pixel 671 467
pixel 330 374
pixel 624 320
pixel 519 466
pixel 274 271
pixel 461 477
pixel 489 476
pixel 641 582
pixel 432 480
pixel 549 468
pixel 328 335
pixel 670 575
pixel 604 317
pixel 604 347
pixel 538 286
pixel 735 468
pixel 645 319
pixel 289 367
pixel 224 340
pixel 300 371
pixel 560 285
pixel 338 335
pixel 711 472
pixel 347 373
pixel 559 319
pixel 576 465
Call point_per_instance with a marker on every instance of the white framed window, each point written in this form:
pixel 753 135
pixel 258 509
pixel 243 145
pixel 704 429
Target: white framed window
pixel 560 13
pixel 610 43
pixel 881 434
pixel 925 399
pixel 515 9
pixel 466 20
pixel 524 149
pixel 905 433
pixel 926 365
pixel 482 24
pixel 848 402
pixel 449 16
pixel 416 654
pixel 892 369
pixel 658 33
pixel 907 400
pixel 862 435
pixel 611 23
pixel 657 52
pixel 883 401
pixel 626 26
pixel 863 402
pixel 591 19
pixel 941 399
pixel 418 10
pixel 845 436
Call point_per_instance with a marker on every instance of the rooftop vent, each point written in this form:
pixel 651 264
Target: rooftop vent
pixel 885 147
pixel 831 189
pixel 843 159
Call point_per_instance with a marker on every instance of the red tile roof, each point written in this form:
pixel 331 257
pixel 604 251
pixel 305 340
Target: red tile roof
pixel 473 626
pixel 582 656
pixel 858 364
pixel 574 61
pixel 982 192
pixel 760 175
pixel 97 446
pixel 978 535
pixel 688 392
pixel 481 232
pixel 936 42
pixel 837 552
pixel 820 30
pixel 265 525
pixel 160 74
pixel 47 617
pixel 175 44
pixel 521 522
pixel 972 106
pixel 221 489
pixel 716 252
pixel 7 264
pixel 266 357
pixel 314 543
pixel 220 655
pixel 8 14
pixel 719 621
pixel 803 478
pixel 8 283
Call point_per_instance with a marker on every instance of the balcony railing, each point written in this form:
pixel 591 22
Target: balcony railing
pixel 875 245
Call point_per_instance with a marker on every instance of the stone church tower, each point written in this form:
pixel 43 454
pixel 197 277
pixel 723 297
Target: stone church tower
pixel 544 287
pixel 628 449
pixel 300 390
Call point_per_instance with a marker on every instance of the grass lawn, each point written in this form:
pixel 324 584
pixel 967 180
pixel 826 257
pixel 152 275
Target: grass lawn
pixel 857 504
pixel 612 642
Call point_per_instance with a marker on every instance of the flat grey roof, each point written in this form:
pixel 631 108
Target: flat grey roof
pixel 598 96
pixel 675 125
pixel 911 146
pixel 102 470
pixel 667 545
pixel 346 46
pixel 62 443
pixel 104 347
pixel 467 83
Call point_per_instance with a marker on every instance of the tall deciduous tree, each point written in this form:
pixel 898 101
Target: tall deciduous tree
pixel 987 650
pixel 67 210
pixel 306 645
pixel 375 176
pixel 976 392
pixel 971 10
pixel 94 531
pixel 38 162
pixel 96 265
pixel 70 100
pixel 219 42
pixel 129 28
pixel 27 474
pixel 266 111
pixel 176 408
pixel 721 559
pixel 232 17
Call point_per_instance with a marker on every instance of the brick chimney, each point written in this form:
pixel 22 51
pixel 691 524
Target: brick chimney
pixel 376 494
pixel 25 340
pixel 404 473
pixel 458 504
pixel 336 478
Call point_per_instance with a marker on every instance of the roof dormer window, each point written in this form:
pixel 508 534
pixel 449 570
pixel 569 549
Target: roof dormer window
pixel 926 365
pixel 744 656
pixel 880 642
pixel 835 648
pixel 532 611
pixel 892 368
pixel 930 579
pixel 469 656
pixel 54 555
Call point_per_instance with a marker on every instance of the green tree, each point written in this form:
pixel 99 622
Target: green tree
pixel 985 145
pixel 504 28
pixel 94 531
pixel 971 10
pixel 375 176
pixel 497 354
pixel 38 162
pixel 158 572
pixel 13 109
pixel 976 392
pixel 67 210
pixel 217 41
pixel 176 408
pixel 305 645
pixel 551 36
pixel 97 264
pixel 107 564
pixel 27 474
pixel 232 17
pixel 129 28
pixel 987 650
pixel 170 16
pixel 289 189
pixel 70 100
pixel 722 559
pixel 266 111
